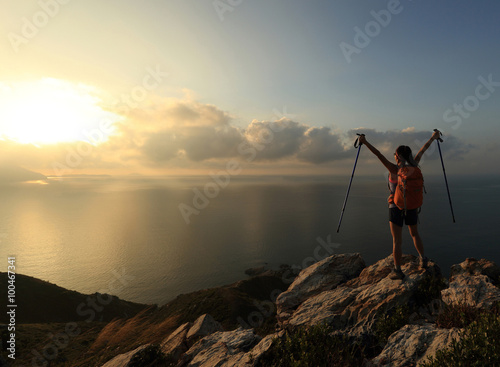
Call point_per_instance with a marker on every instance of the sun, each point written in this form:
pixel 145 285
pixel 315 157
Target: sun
pixel 49 111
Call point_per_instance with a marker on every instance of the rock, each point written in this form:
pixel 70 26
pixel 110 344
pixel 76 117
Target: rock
pixel 176 343
pixel 343 293
pixel 203 326
pixel 356 303
pixel 122 360
pixel 476 267
pixel 472 283
pixel 322 276
pixel 413 344
pixel 253 357
pixel 473 290
pixel 228 348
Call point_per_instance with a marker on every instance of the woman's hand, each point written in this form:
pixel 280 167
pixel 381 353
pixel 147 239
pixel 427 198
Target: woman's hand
pixel 362 139
pixel 436 135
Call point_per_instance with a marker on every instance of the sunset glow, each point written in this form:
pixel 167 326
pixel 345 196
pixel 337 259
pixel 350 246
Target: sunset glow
pixel 49 111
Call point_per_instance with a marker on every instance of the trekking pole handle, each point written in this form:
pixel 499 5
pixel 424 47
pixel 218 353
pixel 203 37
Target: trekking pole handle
pixel 356 143
pixel 440 134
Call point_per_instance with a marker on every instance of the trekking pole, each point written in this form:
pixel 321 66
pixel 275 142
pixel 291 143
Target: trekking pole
pixel 444 172
pixel 356 145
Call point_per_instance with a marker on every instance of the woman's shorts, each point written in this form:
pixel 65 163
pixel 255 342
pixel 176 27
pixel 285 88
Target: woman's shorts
pixel 396 216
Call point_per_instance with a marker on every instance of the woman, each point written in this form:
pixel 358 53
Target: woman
pixel 397 216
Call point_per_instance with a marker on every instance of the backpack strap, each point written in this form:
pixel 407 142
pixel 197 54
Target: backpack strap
pixel 402 188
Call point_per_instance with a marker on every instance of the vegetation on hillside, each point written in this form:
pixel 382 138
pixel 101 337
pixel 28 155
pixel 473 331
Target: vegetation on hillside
pixel 233 306
pixel 480 345
pixel 313 346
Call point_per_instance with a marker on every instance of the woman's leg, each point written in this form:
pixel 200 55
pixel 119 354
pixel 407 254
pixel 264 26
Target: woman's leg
pixel 417 241
pixel 397 240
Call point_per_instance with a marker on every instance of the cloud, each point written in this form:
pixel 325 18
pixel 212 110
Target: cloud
pixel 206 142
pixel 321 145
pixel 178 128
pixel 161 146
pixel 198 132
pixel 175 133
pixel 275 140
pixel 185 131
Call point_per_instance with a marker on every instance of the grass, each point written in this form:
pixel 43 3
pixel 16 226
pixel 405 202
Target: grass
pixel 44 302
pixel 313 346
pixel 232 306
pixel 47 308
pixel 429 289
pixel 390 322
pixel 41 338
pixel 479 347
pixel 457 316
pixel 151 356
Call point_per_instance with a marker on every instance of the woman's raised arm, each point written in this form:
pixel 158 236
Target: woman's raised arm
pixel 426 146
pixel 389 165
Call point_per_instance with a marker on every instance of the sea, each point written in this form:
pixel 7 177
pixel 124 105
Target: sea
pixel 149 240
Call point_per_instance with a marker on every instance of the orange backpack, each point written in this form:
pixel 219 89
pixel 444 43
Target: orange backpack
pixel 410 189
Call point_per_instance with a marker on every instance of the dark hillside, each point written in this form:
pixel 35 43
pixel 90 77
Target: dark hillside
pixel 39 301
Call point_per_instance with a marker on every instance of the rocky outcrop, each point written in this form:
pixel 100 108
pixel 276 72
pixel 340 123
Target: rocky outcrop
pixel 203 326
pixel 343 293
pixel 356 303
pixel 176 344
pixel 241 347
pixel 472 283
pixel 413 344
pixel 122 360
pixel 475 267
pixel 322 276
pixel 226 348
pixel 203 343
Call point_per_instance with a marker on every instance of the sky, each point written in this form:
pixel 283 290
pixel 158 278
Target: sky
pixel 180 87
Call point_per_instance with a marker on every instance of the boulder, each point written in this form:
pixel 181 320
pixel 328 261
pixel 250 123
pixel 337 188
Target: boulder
pixel 176 343
pixel 253 357
pixel 342 292
pixel 472 266
pixel 122 360
pixel 203 326
pixel 356 303
pixel 322 276
pixel 413 344
pixel 228 348
pixel 472 283
pixel 473 290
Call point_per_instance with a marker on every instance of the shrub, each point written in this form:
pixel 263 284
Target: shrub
pixel 151 356
pixel 429 289
pixel 479 347
pixel 457 315
pixel 390 322
pixel 313 346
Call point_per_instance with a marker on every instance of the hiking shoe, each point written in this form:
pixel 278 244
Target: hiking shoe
pixel 396 274
pixel 422 262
